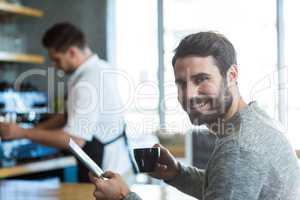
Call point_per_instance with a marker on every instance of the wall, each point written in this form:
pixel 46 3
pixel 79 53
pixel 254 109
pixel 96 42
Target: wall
pixel 89 15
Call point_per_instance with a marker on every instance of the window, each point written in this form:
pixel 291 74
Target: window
pixel 136 56
pixel 249 25
pixel 292 32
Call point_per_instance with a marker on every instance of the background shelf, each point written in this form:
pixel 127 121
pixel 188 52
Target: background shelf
pixel 38 166
pixel 8 8
pixel 21 58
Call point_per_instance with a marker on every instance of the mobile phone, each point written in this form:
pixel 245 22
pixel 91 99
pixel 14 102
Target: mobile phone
pixel 85 159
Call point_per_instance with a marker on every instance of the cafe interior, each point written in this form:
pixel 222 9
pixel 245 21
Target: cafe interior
pixel 137 38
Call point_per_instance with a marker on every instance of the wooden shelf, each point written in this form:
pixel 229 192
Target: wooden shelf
pixel 40 166
pixel 8 8
pixel 21 58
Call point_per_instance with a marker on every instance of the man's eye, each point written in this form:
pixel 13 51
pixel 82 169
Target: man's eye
pixel 201 79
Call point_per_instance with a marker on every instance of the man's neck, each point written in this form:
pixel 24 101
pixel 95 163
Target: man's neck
pixel 236 106
pixel 220 126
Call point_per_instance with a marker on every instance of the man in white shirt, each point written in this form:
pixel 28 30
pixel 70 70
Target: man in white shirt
pixel 94 116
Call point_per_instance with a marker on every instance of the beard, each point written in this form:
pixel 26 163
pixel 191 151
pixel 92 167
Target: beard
pixel 206 109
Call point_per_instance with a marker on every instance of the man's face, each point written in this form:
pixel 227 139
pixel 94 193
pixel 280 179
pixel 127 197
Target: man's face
pixel 202 91
pixel 61 60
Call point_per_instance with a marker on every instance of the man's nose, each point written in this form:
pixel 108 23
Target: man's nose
pixel 192 91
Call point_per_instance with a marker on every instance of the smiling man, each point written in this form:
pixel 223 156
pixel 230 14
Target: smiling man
pixel 252 158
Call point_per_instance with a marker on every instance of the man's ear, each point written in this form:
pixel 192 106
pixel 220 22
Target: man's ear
pixel 72 51
pixel 232 75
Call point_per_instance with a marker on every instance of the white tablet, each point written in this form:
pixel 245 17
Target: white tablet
pixel 85 159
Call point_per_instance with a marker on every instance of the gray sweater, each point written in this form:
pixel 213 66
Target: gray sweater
pixel 252 159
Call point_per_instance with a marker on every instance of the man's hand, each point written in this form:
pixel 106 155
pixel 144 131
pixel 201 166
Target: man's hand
pixel 10 131
pixel 167 167
pixel 114 188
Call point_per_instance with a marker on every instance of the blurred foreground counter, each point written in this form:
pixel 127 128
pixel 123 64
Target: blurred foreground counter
pixel 44 190
pixel 54 190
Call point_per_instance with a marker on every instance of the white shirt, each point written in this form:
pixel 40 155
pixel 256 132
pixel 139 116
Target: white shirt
pixel 95 108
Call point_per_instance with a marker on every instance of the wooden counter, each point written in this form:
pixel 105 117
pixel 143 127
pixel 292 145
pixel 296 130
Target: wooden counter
pixel 48 190
pixel 76 192
pixel 17 190
pixel 39 166
pixel 298 153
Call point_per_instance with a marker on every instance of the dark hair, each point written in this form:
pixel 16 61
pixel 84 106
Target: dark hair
pixel 205 44
pixel 62 36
